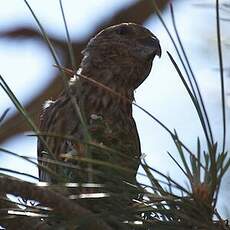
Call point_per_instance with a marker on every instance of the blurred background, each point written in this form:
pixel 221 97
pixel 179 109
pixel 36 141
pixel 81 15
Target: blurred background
pixel 26 65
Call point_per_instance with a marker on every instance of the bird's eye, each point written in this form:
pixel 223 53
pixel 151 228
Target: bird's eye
pixel 122 30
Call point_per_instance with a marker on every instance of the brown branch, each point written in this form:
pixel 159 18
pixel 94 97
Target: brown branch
pixel 68 209
pixel 12 222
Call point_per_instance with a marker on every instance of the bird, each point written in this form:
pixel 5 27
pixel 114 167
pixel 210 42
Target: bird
pixel 118 58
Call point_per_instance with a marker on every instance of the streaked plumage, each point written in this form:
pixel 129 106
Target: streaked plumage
pixel 120 57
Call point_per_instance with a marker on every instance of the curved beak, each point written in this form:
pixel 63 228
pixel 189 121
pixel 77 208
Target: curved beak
pixel 155 44
pixel 158 48
pixel 152 45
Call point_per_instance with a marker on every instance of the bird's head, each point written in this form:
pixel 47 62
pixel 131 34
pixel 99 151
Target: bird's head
pixel 127 48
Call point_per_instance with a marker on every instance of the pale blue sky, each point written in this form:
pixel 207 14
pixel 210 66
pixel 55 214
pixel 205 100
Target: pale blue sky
pixel 26 66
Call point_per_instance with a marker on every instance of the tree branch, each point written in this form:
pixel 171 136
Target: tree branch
pixel 69 210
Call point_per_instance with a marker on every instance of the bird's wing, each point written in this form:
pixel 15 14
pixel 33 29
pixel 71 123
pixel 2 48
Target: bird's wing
pixel 59 118
pixel 55 123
